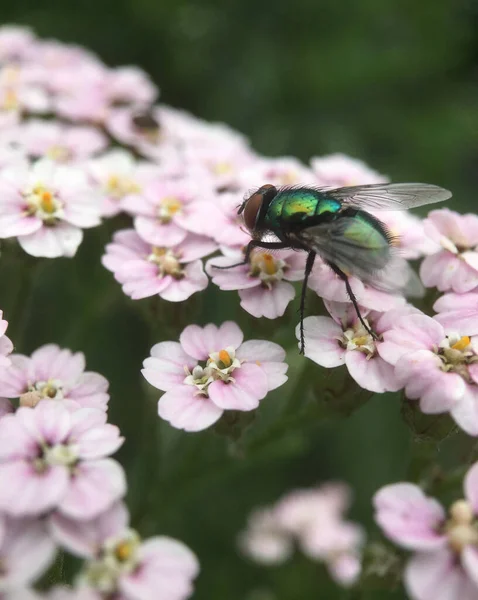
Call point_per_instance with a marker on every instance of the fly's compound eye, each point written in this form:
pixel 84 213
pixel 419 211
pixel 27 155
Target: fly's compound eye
pixel 253 204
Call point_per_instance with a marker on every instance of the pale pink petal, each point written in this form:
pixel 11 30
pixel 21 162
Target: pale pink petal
pixel 90 391
pixel 269 303
pixel 30 492
pixel 438 576
pixel 408 517
pixel 49 422
pixel 17 223
pixel 185 409
pixel 165 368
pixel 15 440
pixel 194 280
pixel 411 332
pixel 250 386
pixel 50 361
pixel 469 561
pixel 470 486
pixel 199 342
pixel 159 234
pixel 374 375
pixel 269 356
pixel 322 341
pixel 444 395
pixel 99 442
pixel 61 240
pixel 14 379
pixel 84 538
pixel 95 486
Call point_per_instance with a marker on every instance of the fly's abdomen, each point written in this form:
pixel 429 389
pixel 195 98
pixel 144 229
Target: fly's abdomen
pixel 366 232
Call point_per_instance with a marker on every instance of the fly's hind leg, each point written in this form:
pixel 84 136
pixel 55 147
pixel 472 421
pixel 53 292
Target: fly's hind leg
pixel 353 299
pixel 255 244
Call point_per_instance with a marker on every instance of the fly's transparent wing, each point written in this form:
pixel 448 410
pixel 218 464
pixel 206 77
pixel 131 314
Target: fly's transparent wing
pixel 390 196
pixel 368 257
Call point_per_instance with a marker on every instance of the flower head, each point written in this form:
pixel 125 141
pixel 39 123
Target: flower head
pixel 445 563
pixel 340 170
pixel 458 312
pixel 6 345
pixel 56 374
pixel 455 266
pixel 174 273
pixel 56 459
pixel 46 206
pixel 263 282
pixel 211 370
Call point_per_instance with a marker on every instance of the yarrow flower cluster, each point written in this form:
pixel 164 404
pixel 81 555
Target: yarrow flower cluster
pixel 314 520
pixel 444 565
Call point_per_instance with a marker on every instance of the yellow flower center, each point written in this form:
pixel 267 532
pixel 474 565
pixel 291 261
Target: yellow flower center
pixel 225 358
pixel 58 153
pixel 460 528
pixel 10 100
pixel 124 550
pixel 462 343
pixel 119 186
pixel 169 206
pixel 222 168
pixel 43 203
pixel 167 261
pixel 47 203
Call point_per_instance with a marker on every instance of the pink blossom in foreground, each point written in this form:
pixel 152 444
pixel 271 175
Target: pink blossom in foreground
pixel 26 551
pixel 445 563
pixel 117 175
pixel 263 282
pixel 144 270
pixel 6 345
pixel 55 459
pixel 212 370
pixel 313 519
pixel 53 373
pixel 458 312
pixel 455 266
pixel 339 170
pixel 61 143
pixel 436 366
pixel 164 211
pixel 120 563
pixel 46 206
pixel 342 339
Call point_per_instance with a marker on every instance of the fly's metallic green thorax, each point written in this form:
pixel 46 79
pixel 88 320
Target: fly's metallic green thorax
pixel 296 205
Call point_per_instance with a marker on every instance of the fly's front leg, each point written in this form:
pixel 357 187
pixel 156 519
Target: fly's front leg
pixel 353 299
pixel 250 247
pixel 308 270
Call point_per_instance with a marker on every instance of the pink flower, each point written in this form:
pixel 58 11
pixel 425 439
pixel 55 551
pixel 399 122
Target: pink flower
pixel 6 407
pixel 211 370
pixel 314 519
pixel 121 564
pixel 130 85
pixel 53 459
pixel 263 282
pixel 455 266
pixel 340 170
pixel 445 563
pixel 342 339
pixel 458 312
pixel 15 42
pixel 57 374
pixel 61 143
pixel 164 210
pixel 117 176
pixel 26 551
pixel 144 270
pixel 46 206
pixel 217 217
pixel 436 366
pixel 329 286
pixel 6 345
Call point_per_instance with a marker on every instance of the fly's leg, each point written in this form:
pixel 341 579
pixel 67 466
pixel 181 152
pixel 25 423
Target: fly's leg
pixel 308 269
pixel 256 244
pixel 353 299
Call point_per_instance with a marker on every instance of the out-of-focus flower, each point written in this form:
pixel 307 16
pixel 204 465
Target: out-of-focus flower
pixel 438 367
pixel 6 407
pixel 342 339
pixel 26 551
pixel 263 282
pixel 164 211
pixel 144 270
pixel 458 312
pixel 6 346
pixel 15 42
pixel 53 373
pixel 445 563
pixel 314 519
pixel 340 170
pixel 285 170
pixel 117 175
pixel 58 142
pixel 455 266
pixel 211 370
pixel 56 459
pixel 46 206
pixel 121 564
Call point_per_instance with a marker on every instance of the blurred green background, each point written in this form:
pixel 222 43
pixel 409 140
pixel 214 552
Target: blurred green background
pixel 392 83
